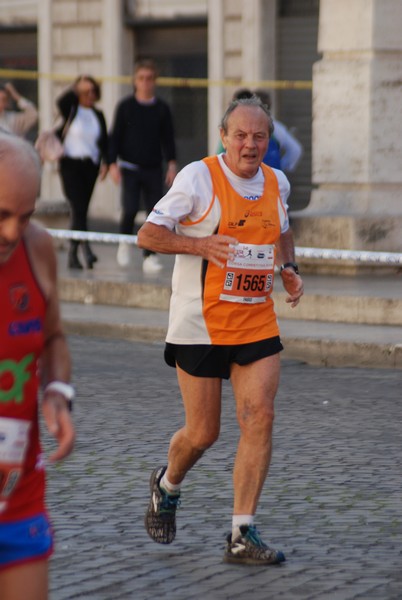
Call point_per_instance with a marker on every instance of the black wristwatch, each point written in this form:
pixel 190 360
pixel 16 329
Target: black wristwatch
pixel 293 265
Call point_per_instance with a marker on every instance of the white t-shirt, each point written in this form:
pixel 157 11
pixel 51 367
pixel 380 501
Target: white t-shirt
pixel 82 136
pixel 191 193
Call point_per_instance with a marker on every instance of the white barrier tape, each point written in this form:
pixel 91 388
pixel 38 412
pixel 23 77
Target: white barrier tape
pixel 93 236
pixel 386 258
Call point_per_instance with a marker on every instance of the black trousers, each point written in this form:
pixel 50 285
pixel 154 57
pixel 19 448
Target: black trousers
pixel 78 178
pixel 147 181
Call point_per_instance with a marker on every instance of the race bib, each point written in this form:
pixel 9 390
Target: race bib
pixel 14 439
pixel 249 275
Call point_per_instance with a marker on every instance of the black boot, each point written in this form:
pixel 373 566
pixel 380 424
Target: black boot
pixel 73 262
pixel 90 257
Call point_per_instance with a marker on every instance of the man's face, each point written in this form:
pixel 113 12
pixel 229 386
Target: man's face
pixel 18 191
pixel 144 82
pixel 246 140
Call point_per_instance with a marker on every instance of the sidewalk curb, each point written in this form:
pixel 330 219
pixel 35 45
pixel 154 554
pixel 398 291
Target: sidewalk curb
pixel 124 331
pixel 340 353
pixel 315 307
pixel 114 293
pixel 318 352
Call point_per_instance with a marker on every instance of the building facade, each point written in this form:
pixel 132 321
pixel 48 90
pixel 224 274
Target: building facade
pixel 348 186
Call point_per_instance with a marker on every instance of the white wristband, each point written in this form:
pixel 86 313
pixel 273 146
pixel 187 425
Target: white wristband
pixel 65 389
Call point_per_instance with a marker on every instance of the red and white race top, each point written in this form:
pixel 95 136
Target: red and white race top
pixel 22 313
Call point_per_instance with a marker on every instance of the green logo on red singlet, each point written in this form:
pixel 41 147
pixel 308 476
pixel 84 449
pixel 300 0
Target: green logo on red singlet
pixel 13 377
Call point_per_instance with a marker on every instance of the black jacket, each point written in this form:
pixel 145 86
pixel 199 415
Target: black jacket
pixel 142 133
pixel 67 104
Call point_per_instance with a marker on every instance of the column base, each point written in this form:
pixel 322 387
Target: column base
pixel 347 232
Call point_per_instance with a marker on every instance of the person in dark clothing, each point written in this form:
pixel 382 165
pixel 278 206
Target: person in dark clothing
pixel 85 140
pixel 141 137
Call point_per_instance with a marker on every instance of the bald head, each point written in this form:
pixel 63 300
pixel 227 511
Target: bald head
pixel 19 187
pixel 20 156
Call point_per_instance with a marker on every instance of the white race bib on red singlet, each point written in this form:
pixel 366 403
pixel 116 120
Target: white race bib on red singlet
pixel 14 438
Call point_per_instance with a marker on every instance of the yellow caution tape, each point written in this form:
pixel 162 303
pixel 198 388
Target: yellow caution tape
pixel 189 82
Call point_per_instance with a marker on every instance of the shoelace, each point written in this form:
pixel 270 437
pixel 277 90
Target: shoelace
pixel 254 537
pixel 169 503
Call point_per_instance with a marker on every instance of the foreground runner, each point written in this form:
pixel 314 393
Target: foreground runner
pixel 224 217
pixel 32 347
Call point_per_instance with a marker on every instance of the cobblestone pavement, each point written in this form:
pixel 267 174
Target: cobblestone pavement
pixel 332 501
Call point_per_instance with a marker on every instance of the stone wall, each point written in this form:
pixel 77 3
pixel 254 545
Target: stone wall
pixel 357 141
pixel 22 13
pixel 165 9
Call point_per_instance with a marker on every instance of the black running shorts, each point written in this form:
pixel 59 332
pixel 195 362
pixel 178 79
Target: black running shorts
pixel 204 360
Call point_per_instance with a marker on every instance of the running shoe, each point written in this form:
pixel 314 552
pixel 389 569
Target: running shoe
pixel 249 549
pixel 151 264
pixel 160 518
pixel 123 254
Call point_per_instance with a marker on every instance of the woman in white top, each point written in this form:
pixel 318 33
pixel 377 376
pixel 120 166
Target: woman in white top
pixel 84 136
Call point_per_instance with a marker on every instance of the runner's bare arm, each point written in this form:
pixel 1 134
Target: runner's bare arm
pixel 55 364
pixel 292 282
pixel 215 248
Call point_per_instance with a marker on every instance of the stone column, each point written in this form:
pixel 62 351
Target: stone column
pixel 357 131
pixel 49 185
pixel 75 37
pixel 106 200
pixel 241 48
pixel 215 70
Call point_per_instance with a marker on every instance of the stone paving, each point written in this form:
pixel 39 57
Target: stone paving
pixel 332 501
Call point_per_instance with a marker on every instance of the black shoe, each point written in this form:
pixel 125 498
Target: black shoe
pixel 249 549
pixel 160 518
pixel 73 261
pixel 89 256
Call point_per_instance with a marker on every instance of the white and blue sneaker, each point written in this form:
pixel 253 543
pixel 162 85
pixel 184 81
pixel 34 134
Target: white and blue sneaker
pixel 249 549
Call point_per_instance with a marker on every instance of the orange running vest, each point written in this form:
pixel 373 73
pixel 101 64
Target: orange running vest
pixel 237 303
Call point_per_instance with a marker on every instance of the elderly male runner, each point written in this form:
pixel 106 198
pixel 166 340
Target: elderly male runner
pixel 224 217
pixel 32 347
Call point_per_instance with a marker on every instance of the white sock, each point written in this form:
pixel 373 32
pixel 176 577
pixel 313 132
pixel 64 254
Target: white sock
pixel 238 520
pixel 170 488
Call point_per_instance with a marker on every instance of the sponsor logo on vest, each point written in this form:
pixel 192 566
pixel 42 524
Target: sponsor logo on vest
pixel 233 224
pixel 19 297
pixel 24 327
pixel 18 373
pixel 253 213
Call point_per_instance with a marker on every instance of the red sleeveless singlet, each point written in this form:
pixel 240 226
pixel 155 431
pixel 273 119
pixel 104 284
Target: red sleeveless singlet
pixel 22 313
